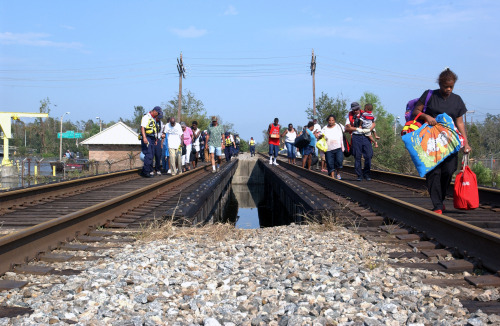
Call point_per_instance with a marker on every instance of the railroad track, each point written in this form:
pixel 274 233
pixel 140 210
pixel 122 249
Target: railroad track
pixel 403 199
pixel 43 218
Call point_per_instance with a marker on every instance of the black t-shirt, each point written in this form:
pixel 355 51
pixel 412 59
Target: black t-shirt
pixel 452 106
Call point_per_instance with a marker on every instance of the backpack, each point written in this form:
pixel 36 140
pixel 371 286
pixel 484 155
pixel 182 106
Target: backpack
pixel 411 106
pixel 303 140
pixel 412 124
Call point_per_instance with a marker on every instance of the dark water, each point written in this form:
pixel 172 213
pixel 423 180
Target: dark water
pixel 250 207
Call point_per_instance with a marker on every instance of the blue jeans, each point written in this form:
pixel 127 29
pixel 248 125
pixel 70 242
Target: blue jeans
pixel 157 155
pixel 273 150
pixel 228 152
pixel 361 146
pixel 164 154
pixel 252 149
pixel 290 150
pixel 334 160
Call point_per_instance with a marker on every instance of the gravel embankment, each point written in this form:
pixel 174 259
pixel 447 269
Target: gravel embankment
pixel 291 275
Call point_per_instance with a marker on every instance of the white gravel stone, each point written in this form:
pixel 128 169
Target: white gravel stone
pixel 286 275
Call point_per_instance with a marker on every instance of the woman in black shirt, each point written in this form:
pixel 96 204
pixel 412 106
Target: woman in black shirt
pixel 443 101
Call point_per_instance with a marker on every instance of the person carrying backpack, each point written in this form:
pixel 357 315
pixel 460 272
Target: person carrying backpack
pixel 443 100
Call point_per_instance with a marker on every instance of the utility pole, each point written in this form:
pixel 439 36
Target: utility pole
pixel 313 71
pixel 471 112
pixel 182 70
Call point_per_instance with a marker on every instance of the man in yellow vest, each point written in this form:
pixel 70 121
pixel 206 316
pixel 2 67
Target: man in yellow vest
pixel 148 140
pixel 252 146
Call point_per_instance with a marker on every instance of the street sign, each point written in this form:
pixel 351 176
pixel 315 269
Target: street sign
pixel 70 134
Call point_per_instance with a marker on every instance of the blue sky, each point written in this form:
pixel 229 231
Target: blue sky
pixel 247 61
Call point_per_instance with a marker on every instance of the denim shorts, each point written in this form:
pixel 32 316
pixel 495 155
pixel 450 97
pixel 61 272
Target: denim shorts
pixel 308 150
pixel 217 150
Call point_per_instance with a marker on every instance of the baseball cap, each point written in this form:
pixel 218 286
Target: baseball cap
pixel 355 106
pixel 160 112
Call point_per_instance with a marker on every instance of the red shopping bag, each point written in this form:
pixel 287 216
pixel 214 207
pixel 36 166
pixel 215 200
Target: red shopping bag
pixel 466 195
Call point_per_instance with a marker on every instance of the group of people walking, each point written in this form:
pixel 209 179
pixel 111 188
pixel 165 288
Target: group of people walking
pixel 332 136
pixel 174 147
pixel 360 124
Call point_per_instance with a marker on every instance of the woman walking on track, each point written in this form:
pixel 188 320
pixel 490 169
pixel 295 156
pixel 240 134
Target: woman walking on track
pixel 290 134
pixel 443 101
pixel 334 155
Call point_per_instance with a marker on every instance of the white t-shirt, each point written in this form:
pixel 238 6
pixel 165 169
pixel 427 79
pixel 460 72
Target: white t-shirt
pixel 196 141
pixel 333 136
pixel 290 136
pixel 316 128
pixel 174 135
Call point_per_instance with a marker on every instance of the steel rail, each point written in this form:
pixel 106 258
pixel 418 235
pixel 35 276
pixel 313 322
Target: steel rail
pixel 16 197
pixel 22 246
pixel 468 239
pixel 486 195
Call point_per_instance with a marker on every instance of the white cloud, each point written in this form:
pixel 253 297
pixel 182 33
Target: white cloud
pixel 68 27
pixel 191 32
pixel 35 39
pixel 231 11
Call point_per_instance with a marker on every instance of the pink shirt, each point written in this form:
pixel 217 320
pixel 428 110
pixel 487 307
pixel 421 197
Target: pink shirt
pixel 187 136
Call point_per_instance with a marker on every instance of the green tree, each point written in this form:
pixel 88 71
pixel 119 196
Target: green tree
pixel 191 109
pixel 326 105
pixel 244 147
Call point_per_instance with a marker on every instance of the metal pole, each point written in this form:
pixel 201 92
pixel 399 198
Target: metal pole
pixel 313 73
pixel 180 68
pixel 60 139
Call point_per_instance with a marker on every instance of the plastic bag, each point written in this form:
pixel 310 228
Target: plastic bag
pixel 430 145
pixel 322 145
pixel 466 195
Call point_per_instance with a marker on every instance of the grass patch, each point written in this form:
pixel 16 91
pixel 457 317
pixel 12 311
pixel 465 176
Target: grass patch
pixel 170 229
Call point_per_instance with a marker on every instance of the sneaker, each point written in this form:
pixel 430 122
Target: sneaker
pixel 275 163
pixel 438 211
pixel 368 178
pixel 359 179
pixel 152 174
pixel 339 177
pixel 158 172
pixel 213 171
pixel 147 175
pixel 218 168
pixel 270 162
pixel 169 171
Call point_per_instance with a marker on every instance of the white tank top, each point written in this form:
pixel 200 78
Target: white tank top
pixel 290 136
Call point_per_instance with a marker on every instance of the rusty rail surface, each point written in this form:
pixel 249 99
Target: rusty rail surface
pixel 470 240
pixel 35 193
pixel 22 246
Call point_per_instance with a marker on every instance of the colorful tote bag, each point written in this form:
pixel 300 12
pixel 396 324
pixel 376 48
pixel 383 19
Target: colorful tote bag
pixel 430 145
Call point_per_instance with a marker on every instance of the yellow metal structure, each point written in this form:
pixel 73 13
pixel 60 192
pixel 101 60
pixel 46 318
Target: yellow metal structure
pixel 5 125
